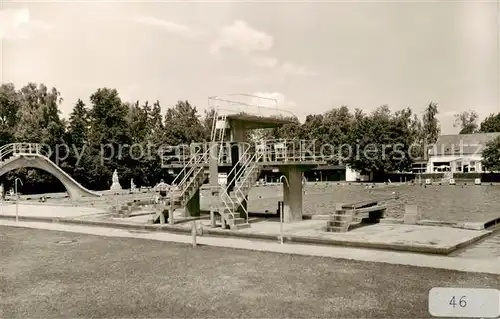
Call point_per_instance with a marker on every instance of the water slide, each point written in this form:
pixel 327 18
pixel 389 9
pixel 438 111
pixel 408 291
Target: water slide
pixel 75 190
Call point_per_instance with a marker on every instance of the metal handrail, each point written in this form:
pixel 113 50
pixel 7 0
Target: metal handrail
pixel 214 125
pixel 188 174
pixel 242 160
pixel 22 148
pixel 221 146
pixel 183 191
pixel 243 169
pixel 195 161
pixel 292 151
pixel 255 158
pixel 224 193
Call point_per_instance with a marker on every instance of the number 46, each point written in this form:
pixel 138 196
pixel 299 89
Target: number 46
pixel 462 303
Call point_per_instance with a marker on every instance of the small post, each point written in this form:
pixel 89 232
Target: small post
pixel 17 197
pixel 162 215
pixel 212 219
pixel 171 218
pixel 281 208
pixel 17 211
pixel 412 215
pixel 193 233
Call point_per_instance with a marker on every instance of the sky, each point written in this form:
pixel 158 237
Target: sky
pixel 309 56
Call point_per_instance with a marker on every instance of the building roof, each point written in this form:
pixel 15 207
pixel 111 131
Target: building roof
pixel 461 144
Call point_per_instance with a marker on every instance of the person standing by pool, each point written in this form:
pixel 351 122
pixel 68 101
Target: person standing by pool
pixel 162 187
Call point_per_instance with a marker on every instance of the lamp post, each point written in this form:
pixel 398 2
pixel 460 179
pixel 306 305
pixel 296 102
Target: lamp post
pixel 17 196
pixel 282 178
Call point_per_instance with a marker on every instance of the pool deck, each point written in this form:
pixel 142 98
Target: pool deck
pixel 410 238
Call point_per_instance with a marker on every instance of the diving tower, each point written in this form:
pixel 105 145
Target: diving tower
pixel 233 151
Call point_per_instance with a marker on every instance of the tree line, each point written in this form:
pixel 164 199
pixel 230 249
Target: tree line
pixel 32 114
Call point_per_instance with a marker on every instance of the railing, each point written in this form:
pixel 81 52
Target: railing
pixel 184 189
pixel 247 172
pixel 281 150
pixel 240 165
pixel 24 149
pixel 273 151
pixel 189 166
pixel 223 194
pixel 225 198
pixel 245 161
pixel 192 166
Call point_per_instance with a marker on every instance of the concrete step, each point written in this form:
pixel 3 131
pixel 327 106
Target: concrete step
pixel 340 217
pixel 236 221
pixel 239 226
pixel 234 216
pixel 228 216
pixel 336 223
pixel 334 229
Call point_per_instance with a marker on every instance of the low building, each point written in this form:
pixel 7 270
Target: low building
pixel 419 166
pixel 461 153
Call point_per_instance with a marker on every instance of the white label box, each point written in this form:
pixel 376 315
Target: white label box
pixel 464 302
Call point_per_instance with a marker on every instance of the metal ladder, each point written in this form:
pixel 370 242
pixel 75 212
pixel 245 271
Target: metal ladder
pixel 218 134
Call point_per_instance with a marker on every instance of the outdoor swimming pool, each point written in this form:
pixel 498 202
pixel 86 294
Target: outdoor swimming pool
pixel 445 203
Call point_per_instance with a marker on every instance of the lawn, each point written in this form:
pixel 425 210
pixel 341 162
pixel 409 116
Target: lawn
pixel 118 277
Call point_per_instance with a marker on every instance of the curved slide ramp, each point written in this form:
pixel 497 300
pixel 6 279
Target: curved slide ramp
pixel 34 159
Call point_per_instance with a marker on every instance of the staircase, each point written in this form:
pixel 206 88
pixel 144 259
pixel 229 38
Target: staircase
pixel 194 174
pixel 340 221
pixel 233 203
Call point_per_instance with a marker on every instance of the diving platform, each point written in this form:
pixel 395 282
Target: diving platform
pixel 232 151
pixel 251 111
pixel 271 153
pixel 252 122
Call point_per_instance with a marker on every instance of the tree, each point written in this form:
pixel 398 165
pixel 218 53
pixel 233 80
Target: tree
pixel 153 170
pixel 78 126
pixel 77 142
pixel 208 122
pixel 38 115
pixel 9 112
pixel 379 142
pixel 430 125
pixel 467 122
pixel 314 128
pixel 491 156
pixel 182 125
pixel 490 124
pixel 109 134
pixel 288 131
pixel 39 122
pixel 138 121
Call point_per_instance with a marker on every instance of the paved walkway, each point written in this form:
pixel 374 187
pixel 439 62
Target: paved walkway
pixel 384 234
pixel 428 239
pixel 453 263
